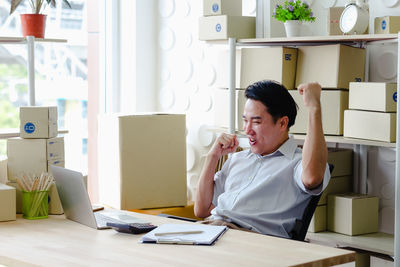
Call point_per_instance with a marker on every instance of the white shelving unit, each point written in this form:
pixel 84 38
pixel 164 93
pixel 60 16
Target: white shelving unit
pixel 379 242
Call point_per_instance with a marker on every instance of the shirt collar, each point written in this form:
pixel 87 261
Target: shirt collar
pixel 287 149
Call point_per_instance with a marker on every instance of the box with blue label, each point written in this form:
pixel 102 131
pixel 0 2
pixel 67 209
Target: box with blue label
pixel 222 7
pixel 38 122
pixel 33 155
pixel 387 24
pixel 223 27
pixel 373 96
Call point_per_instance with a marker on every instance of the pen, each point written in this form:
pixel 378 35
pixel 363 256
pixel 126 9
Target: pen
pixel 178 233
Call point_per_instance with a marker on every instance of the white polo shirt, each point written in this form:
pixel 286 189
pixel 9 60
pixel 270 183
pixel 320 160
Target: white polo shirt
pixel 263 193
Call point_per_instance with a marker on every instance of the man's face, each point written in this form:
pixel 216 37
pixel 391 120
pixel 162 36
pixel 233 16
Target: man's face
pixel 264 135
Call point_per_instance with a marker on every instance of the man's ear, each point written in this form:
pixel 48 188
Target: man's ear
pixel 284 122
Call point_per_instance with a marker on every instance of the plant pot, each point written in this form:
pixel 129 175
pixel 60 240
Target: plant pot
pixel 293 28
pixel 33 25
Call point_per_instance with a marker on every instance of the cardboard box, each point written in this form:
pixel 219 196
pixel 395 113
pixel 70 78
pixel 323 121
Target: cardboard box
pixel 373 96
pixel 221 62
pixel 337 185
pixel 370 125
pixel 18 196
pixel 224 27
pixel 222 7
pixel 318 221
pixel 333 66
pixel 387 24
pixel 221 107
pixel 38 122
pixel 333 105
pixel 3 169
pixel 8 203
pixel 334 14
pixel 33 155
pixel 142 160
pixel 342 161
pixel 268 63
pixel 353 214
pixel 55 206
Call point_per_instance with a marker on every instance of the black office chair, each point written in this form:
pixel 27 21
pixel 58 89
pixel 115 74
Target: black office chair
pixel 300 228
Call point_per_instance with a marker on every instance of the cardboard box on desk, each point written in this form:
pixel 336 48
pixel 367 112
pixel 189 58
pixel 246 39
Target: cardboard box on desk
pixel 8 203
pixel 333 105
pixel 268 63
pixel 33 155
pixel 334 14
pixel 378 126
pixel 387 24
pixel 142 160
pixel 38 122
pixel 222 7
pixel 333 66
pixel 318 221
pixel 342 161
pixel 221 107
pixel 373 96
pixel 353 214
pixel 224 27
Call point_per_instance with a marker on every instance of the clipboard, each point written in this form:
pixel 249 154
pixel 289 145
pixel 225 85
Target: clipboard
pixel 184 234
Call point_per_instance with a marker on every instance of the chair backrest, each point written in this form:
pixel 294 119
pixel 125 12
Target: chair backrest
pixel 299 230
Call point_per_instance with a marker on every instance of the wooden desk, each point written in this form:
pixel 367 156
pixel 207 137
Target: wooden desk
pixel 59 242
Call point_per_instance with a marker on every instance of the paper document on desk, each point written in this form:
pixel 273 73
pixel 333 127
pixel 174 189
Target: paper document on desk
pixel 184 234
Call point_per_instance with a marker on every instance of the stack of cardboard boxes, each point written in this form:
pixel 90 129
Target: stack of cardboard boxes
pixel 35 150
pixel 222 19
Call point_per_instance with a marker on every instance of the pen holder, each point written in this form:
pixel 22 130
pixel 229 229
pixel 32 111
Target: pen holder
pixel 35 204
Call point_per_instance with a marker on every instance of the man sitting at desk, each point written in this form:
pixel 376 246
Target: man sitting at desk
pixel 266 188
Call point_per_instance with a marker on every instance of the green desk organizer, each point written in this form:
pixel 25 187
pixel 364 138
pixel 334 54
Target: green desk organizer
pixel 35 204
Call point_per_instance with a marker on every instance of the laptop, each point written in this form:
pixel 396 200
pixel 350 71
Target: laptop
pixel 76 203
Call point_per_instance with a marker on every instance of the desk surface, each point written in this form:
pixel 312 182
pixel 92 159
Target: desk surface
pixel 59 242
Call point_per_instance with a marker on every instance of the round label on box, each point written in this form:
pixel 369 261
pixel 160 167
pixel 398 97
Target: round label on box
pixel 395 97
pixel 29 127
pixel 215 8
pixel 218 27
pixel 383 24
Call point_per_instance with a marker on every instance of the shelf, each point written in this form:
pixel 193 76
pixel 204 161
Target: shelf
pixel 377 242
pixel 346 140
pixel 22 40
pixel 10 133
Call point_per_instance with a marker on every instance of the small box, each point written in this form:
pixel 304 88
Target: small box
pixel 18 195
pixel 373 96
pixel 268 63
pixel 33 155
pixel 318 221
pixel 378 126
pixel 221 107
pixel 387 24
pixel 337 185
pixel 142 160
pixel 8 203
pixel 224 27
pixel 334 14
pixel 342 161
pixel 353 214
pixel 222 7
pixel 333 105
pixel 333 66
pixel 38 122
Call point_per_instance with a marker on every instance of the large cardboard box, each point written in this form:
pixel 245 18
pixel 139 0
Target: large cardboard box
pixel 333 105
pixel 33 155
pixel 378 126
pixel 318 221
pixel 8 203
pixel 38 122
pixel 268 63
pixel 222 7
pixel 334 14
pixel 353 214
pixel 342 161
pixel 387 24
pixel 333 66
pixel 337 185
pixel 142 160
pixel 373 96
pixel 221 107
pixel 224 27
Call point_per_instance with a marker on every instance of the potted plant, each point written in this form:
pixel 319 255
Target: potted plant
pixel 34 24
pixel 292 13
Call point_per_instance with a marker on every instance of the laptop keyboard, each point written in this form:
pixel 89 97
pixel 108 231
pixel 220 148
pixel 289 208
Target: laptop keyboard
pixel 102 220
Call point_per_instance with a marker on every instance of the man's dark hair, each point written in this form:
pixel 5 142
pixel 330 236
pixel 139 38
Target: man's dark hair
pixel 275 98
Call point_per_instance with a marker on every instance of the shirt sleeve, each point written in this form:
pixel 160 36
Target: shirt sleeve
pixel 298 170
pixel 219 181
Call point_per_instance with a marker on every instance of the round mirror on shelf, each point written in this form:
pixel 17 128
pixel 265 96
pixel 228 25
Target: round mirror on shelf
pixel 328 3
pixel 390 3
pixel 354 20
